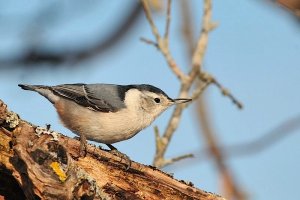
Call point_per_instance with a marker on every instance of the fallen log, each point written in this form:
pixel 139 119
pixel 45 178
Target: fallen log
pixel 37 163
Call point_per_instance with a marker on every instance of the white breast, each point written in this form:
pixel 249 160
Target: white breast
pixel 102 127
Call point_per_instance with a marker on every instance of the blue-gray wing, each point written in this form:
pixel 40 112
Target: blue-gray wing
pixel 98 97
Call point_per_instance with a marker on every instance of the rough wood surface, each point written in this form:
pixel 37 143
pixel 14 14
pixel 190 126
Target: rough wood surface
pixel 36 163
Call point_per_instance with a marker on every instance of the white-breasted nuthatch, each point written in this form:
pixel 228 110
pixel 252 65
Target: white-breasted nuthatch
pixel 106 113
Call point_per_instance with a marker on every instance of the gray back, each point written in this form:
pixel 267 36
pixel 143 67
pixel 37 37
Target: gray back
pixel 99 97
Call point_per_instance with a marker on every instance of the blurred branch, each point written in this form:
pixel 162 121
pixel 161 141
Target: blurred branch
pixel 230 188
pixel 267 140
pixel 187 26
pixel 168 20
pixel 292 5
pixel 41 54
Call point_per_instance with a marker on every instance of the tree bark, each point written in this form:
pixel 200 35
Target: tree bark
pixel 37 163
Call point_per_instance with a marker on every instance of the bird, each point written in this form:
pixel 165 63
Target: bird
pixel 106 113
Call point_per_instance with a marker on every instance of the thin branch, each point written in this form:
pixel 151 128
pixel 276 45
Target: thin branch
pixel 227 93
pixel 201 46
pixel 205 79
pixel 176 159
pixel 162 142
pixel 200 89
pixel 148 41
pixel 163 44
pixel 186 81
pixel 209 78
pixel 150 20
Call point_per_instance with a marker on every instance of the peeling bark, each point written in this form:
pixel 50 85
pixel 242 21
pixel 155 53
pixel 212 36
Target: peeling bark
pixel 41 164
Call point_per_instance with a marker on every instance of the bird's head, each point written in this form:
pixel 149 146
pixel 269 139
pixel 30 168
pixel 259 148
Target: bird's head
pixel 150 100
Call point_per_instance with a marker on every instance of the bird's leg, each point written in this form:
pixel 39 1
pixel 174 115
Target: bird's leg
pixel 111 147
pixel 83 146
pixel 48 126
pixel 123 156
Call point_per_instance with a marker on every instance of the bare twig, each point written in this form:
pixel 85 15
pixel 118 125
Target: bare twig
pixel 209 78
pixel 227 93
pixel 178 158
pixel 163 141
pixel 160 143
pixel 147 41
pixel 207 26
pixel 150 20
pixel 200 89
pixel 204 79
pixel 198 54
pixel 163 43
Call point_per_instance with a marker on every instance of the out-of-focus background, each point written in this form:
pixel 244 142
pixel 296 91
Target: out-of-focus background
pixel 254 52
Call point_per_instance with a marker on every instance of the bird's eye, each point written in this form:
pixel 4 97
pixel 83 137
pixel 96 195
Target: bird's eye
pixel 157 100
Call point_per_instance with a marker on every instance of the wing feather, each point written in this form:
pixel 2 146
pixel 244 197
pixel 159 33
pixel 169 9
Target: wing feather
pixel 84 95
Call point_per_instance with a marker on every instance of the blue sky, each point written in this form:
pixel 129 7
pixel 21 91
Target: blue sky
pixel 253 52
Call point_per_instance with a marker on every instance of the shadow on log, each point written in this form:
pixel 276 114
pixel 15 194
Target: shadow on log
pixel 37 163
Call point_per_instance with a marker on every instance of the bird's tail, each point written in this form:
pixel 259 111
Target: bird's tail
pixel 45 91
pixel 32 87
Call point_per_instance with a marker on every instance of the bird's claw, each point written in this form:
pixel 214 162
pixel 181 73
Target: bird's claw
pixel 123 157
pixel 83 150
pixel 83 145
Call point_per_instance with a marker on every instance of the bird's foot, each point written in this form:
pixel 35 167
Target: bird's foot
pixel 123 156
pixel 83 146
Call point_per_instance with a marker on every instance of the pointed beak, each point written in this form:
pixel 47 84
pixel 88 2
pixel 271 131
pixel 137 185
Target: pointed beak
pixel 178 101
